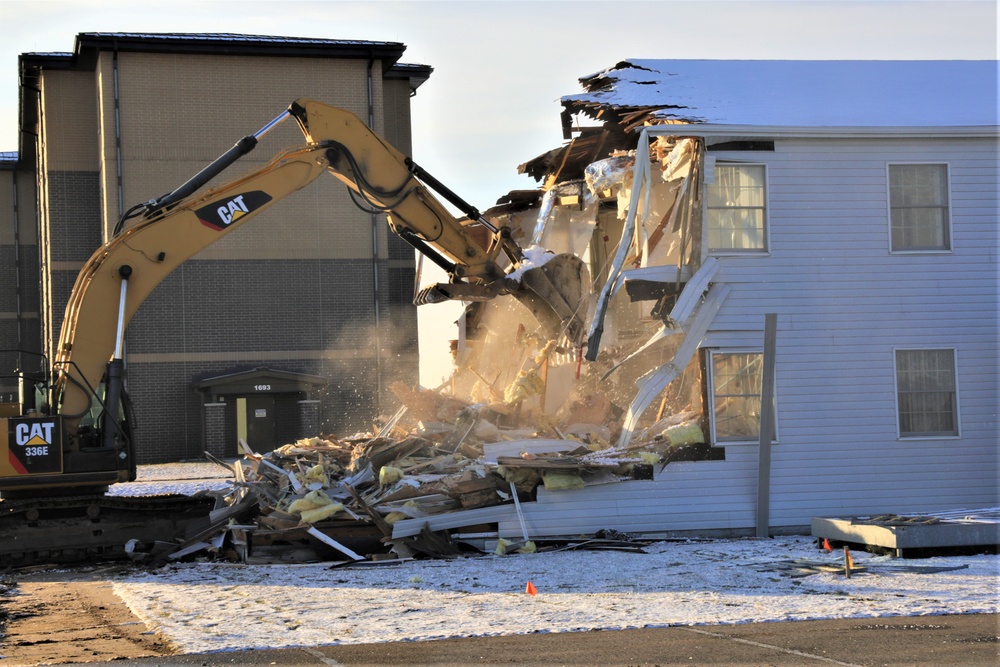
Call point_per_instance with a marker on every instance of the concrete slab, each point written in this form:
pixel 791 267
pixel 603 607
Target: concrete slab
pixel 911 532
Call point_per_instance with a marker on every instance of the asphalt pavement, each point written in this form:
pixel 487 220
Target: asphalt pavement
pixel 969 640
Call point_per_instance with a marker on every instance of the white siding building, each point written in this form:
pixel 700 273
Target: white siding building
pixel 857 201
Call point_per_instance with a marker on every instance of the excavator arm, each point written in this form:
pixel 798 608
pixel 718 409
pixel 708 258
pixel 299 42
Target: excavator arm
pixel 387 181
pixel 384 180
pixel 155 237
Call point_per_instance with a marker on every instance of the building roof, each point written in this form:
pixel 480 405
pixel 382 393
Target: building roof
pixel 206 37
pixel 795 93
pixel 230 43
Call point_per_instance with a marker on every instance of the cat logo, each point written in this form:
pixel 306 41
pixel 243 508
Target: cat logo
pixel 36 434
pixel 232 210
pixel 33 446
pixel 223 214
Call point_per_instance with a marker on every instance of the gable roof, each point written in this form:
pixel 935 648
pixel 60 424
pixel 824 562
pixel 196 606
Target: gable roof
pixel 795 93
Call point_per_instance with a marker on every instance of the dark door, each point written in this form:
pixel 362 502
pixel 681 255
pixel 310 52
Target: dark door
pixel 260 422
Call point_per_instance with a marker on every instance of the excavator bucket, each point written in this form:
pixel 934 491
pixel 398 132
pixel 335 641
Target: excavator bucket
pixel 556 294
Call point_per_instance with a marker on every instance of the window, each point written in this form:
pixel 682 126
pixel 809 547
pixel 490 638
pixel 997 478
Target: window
pixel 918 207
pixel 736 379
pixel 926 394
pixel 735 219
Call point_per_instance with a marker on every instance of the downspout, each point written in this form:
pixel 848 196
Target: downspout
pixel 375 226
pixel 18 315
pixel 118 136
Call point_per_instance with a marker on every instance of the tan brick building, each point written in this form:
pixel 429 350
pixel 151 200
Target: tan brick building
pixel 292 325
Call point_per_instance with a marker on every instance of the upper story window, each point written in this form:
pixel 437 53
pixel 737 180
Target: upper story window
pixel 919 218
pixel 736 209
pixel 926 393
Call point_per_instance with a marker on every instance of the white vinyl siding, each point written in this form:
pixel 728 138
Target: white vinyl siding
pixel 919 219
pixel 926 393
pixel 845 304
pixel 736 209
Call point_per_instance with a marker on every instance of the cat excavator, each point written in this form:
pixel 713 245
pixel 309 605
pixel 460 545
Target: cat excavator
pixel 77 435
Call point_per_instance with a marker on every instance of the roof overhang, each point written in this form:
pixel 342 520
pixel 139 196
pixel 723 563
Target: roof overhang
pixel 259 381
pixel 416 74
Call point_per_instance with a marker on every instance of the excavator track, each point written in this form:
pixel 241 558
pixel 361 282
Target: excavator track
pixel 90 528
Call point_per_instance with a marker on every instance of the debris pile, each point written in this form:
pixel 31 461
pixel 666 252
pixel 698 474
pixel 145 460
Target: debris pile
pixel 377 496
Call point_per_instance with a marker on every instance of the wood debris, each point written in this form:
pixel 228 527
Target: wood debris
pixel 437 466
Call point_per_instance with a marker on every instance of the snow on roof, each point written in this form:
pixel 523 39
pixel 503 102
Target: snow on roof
pixel 800 93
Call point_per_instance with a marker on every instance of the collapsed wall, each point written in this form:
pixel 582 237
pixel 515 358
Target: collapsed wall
pixel 641 242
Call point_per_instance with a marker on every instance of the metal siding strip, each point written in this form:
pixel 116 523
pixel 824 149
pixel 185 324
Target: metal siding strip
pixel 659 379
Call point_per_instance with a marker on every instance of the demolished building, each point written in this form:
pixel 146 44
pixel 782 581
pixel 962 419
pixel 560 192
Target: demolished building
pixel 820 233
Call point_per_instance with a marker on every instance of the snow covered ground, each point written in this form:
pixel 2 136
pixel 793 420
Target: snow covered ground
pixel 216 607
pixel 183 478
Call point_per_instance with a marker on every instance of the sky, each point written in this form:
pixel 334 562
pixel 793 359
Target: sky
pixel 500 68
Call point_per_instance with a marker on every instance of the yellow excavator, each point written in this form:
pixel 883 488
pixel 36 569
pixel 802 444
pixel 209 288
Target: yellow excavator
pixel 79 435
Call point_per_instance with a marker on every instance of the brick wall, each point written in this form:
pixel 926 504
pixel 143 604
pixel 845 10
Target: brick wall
pixel 74 207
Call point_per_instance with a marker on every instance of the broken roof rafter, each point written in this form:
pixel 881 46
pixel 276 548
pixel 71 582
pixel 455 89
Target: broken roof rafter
pixel 570 159
pixel 629 116
pixel 604 80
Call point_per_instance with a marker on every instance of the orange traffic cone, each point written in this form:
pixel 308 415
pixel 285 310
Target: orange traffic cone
pixel 530 589
pixel 826 545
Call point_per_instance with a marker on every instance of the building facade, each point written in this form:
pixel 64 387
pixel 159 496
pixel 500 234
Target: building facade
pixel 311 300
pixel 863 215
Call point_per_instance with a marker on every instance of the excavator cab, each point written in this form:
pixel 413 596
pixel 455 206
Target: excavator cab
pixel 39 451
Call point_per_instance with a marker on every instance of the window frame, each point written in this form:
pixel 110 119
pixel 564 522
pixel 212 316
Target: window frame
pixel 949 241
pixel 957 410
pixel 710 396
pixel 739 252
